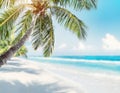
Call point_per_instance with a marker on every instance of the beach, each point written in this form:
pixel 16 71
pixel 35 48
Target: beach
pixel 25 76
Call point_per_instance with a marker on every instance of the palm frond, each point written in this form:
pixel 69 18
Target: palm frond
pixel 37 33
pixel 7 19
pixel 43 35
pixel 1 3
pixel 23 26
pixel 70 21
pixel 76 4
pixel 22 52
pixel 7 3
pixel 48 38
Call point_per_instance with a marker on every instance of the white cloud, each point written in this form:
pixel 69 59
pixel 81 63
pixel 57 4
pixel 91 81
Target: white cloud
pixel 62 46
pixel 82 46
pixel 110 42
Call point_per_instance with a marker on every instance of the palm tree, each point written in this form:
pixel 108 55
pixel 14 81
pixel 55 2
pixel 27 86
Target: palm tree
pixel 35 18
pixel 7 43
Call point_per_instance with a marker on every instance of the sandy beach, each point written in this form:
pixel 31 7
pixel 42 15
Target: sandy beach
pixel 24 76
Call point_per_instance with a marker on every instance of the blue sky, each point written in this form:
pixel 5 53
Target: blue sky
pixel 103 32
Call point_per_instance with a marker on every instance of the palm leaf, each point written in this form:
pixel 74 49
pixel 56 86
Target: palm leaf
pixel 48 38
pixel 37 33
pixel 43 35
pixel 22 51
pixel 70 21
pixel 76 4
pixel 24 25
pixel 7 19
pixel 7 3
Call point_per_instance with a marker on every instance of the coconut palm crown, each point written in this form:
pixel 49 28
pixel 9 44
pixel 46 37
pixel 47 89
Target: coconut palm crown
pixel 35 17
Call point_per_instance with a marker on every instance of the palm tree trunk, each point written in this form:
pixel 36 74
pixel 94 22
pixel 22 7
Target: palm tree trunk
pixel 8 54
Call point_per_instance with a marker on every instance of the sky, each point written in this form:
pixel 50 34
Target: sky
pixel 103 32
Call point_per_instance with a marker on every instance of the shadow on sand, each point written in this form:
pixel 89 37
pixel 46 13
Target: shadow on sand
pixel 17 87
pixel 18 68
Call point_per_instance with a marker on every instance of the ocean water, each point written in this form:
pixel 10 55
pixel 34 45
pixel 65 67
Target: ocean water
pixel 104 63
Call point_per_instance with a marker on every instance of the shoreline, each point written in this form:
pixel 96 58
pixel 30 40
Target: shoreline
pixel 71 79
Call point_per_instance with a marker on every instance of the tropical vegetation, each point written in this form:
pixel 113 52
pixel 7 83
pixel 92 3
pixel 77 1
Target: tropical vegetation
pixel 35 18
pixel 7 43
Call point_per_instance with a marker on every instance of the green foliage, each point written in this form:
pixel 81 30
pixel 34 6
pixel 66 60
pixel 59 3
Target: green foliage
pixel 76 4
pixel 43 35
pixel 23 25
pixel 37 33
pixel 48 38
pixel 6 44
pixel 21 52
pixel 6 3
pixel 43 32
pixel 7 20
pixel 70 21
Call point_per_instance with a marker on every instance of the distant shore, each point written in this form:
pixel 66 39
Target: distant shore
pixel 24 76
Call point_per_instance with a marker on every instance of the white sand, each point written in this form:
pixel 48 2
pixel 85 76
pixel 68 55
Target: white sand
pixel 25 76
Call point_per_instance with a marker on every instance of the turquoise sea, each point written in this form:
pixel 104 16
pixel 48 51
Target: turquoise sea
pixel 105 63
